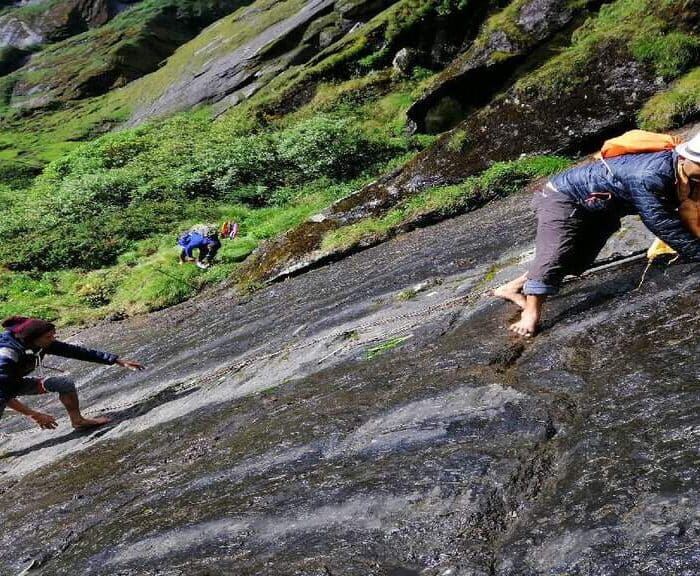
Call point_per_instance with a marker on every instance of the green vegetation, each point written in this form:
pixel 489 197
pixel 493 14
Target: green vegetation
pixel 28 11
pixel 675 106
pixel 128 46
pixel 644 27
pixel 98 226
pixel 384 347
pixel 501 179
pixel 109 185
pixel 406 295
pixel 504 21
pixel 148 276
pixel 370 48
pixel 51 132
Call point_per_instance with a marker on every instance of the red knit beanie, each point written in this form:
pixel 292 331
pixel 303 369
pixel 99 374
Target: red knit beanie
pixel 27 329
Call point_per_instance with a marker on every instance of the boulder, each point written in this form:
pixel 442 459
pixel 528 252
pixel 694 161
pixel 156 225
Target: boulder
pixel 489 61
pixel 405 60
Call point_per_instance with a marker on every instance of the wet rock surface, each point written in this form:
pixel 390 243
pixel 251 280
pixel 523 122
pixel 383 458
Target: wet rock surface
pixel 375 417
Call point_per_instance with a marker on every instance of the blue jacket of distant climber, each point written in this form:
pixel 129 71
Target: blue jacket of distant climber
pixel 193 240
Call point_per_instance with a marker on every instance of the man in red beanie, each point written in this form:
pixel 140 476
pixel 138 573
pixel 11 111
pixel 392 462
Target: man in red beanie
pixel 22 348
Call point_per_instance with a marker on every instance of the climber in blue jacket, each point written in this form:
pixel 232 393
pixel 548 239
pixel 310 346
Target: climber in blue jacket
pixel 579 209
pixel 207 245
pixel 22 348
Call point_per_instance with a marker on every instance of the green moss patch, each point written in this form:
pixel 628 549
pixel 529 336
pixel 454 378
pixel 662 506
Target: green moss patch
pixel 643 25
pixel 674 107
pixel 501 179
pixel 385 347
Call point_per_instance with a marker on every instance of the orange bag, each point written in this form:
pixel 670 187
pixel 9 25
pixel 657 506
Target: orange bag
pixel 637 142
pixel 640 141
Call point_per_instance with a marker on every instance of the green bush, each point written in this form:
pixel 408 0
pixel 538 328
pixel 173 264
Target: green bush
pixel 672 54
pixel 674 107
pixel 326 146
pixel 88 207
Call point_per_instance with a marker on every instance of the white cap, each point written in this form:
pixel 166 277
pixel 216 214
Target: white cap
pixel 690 149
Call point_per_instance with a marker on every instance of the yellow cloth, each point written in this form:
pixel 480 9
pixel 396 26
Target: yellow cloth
pixel 658 248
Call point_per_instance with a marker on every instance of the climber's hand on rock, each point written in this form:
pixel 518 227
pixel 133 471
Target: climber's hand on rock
pixel 45 421
pixel 130 364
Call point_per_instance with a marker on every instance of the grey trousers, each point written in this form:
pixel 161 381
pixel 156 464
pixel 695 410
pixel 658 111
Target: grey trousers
pixel 34 386
pixel 569 238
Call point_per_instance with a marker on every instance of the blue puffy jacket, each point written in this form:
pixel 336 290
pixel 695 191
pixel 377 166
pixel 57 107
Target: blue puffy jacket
pixel 18 360
pixel 643 184
pixel 193 240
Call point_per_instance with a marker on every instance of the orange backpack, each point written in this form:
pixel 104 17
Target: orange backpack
pixel 640 141
pixel 637 142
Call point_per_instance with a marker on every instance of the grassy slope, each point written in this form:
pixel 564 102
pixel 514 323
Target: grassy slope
pixel 57 71
pixel 146 275
pixel 143 279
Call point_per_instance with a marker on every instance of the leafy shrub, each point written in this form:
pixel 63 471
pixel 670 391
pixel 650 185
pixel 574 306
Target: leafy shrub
pixel 88 207
pixel 327 146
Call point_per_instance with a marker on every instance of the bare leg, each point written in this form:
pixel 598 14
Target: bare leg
pixel 72 405
pixel 513 291
pixel 530 317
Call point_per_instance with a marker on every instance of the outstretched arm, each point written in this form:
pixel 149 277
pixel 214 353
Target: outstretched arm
pixel 66 350
pixel 58 348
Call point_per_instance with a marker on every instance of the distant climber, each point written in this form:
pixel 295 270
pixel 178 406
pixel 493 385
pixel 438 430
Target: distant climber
pixel 579 209
pixel 205 239
pixel 22 347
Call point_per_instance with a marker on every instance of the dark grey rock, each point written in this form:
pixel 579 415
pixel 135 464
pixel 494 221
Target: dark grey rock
pixel 480 64
pixel 404 60
pixel 461 451
pixel 538 17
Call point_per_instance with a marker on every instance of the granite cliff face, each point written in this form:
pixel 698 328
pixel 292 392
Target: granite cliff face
pixel 362 409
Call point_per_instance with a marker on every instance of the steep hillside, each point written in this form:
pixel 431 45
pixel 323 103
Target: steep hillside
pixel 288 110
pixel 374 417
pixel 370 415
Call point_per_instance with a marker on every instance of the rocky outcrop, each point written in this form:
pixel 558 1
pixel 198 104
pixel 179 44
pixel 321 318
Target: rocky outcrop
pixel 234 71
pixel 59 21
pixel 517 123
pixel 18 33
pixel 112 55
pixel 490 61
pixel 238 74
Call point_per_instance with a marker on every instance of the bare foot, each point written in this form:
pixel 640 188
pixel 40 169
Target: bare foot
pixel 527 325
pixel 512 291
pixel 87 423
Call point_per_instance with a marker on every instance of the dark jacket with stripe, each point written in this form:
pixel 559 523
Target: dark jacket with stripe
pixel 643 184
pixel 18 360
